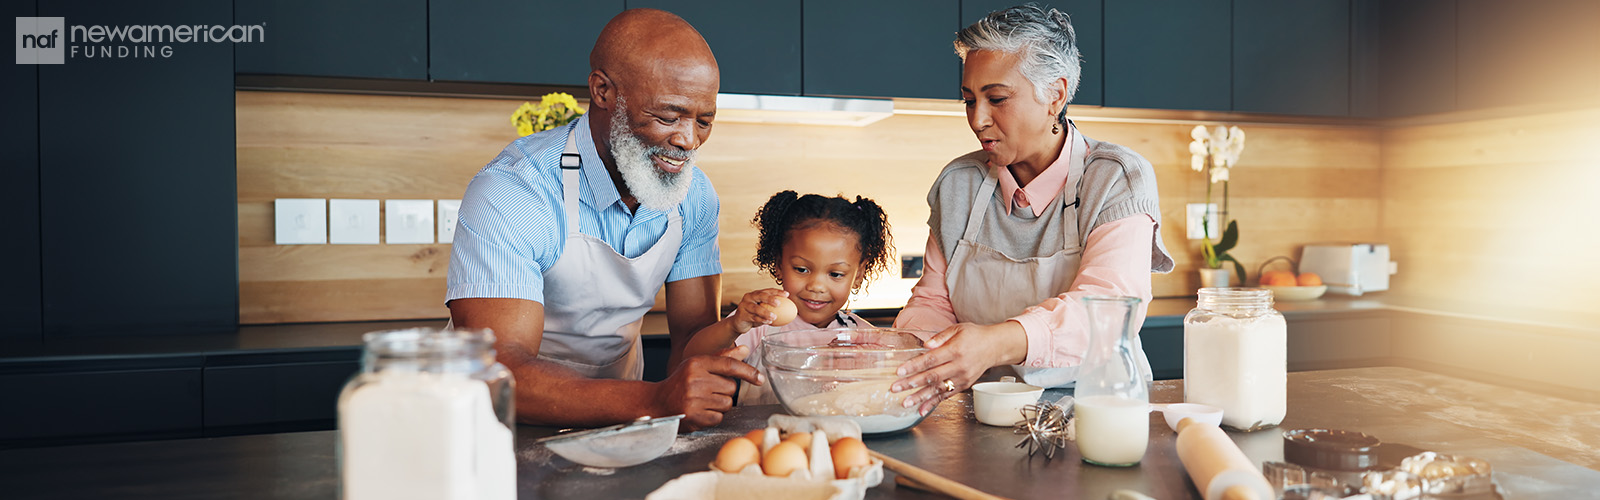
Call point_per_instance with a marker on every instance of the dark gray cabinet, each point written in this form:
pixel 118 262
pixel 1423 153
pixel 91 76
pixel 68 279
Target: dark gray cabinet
pixel 757 44
pixel 1163 346
pixel 19 195
pixel 1291 57
pixel 348 38
pixel 1515 53
pixel 1416 57
pixel 1087 23
pixel 137 180
pixel 515 41
pixel 1168 55
pixel 890 48
pixel 147 398
pixel 265 396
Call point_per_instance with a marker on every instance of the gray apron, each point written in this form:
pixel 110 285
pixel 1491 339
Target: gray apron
pixel 987 287
pixel 595 298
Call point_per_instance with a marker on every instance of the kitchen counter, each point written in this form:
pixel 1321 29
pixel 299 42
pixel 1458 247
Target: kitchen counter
pixel 261 339
pixel 1539 446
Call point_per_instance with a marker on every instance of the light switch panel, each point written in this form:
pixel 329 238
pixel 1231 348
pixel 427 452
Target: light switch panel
pixel 447 219
pixel 1197 213
pixel 407 221
pixel 353 222
pixel 300 221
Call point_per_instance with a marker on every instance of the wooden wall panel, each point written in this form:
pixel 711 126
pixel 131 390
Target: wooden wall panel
pixel 1496 212
pixel 1296 184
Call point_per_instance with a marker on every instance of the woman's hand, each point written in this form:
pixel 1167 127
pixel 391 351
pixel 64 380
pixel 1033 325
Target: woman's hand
pixel 757 308
pixel 959 355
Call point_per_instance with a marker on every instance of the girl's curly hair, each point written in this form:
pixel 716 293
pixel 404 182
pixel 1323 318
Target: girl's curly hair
pixel 787 211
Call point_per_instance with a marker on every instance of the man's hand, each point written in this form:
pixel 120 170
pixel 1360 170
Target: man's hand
pixel 703 387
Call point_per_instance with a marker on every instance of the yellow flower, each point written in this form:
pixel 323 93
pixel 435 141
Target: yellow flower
pixel 554 110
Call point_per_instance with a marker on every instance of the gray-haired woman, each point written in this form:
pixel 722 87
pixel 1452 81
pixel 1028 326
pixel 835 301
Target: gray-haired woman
pixel 1021 229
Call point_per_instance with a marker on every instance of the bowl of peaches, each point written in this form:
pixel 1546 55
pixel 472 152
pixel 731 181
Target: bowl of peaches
pixel 1288 285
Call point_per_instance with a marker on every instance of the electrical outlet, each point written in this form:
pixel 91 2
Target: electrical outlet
pixel 1197 213
pixel 353 222
pixel 447 219
pixel 300 221
pixel 407 221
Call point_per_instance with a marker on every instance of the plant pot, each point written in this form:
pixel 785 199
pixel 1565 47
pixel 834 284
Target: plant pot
pixel 1215 278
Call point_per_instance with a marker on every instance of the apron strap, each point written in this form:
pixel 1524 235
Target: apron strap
pixel 980 205
pixel 571 164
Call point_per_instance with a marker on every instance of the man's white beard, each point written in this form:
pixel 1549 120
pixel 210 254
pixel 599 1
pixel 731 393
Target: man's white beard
pixel 655 189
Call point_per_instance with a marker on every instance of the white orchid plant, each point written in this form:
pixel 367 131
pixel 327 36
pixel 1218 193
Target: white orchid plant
pixel 1215 152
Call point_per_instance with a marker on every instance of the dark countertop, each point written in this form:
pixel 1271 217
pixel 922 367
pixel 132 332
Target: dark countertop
pixel 1539 446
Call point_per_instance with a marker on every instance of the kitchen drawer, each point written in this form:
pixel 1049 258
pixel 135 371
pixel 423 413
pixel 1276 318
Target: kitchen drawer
pixel 48 407
pixel 278 394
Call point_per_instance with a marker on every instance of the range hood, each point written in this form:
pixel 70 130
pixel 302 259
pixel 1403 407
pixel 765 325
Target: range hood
pixel 778 109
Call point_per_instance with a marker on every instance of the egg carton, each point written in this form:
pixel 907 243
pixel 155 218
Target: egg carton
pixel 802 484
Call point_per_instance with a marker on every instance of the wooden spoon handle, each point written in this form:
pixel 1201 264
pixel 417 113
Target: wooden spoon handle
pixel 932 482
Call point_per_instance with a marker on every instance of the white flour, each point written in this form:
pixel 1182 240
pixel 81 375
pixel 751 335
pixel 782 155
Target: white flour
pixel 425 436
pixel 1239 365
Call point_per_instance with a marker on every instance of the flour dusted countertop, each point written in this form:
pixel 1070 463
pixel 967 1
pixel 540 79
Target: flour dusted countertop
pixel 1540 447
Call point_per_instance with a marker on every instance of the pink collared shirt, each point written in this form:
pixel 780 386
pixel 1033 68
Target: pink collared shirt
pixel 1038 194
pixel 1116 261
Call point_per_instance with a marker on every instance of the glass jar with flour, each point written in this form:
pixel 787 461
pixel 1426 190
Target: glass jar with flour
pixel 430 416
pixel 1235 357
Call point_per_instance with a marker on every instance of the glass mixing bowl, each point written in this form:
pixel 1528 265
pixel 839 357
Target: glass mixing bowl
pixel 844 372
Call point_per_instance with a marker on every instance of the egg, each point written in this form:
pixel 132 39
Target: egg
pixel 786 311
pixel 800 438
pixel 755 436
pixel 784 459
pixel 736 454
pixel 848 452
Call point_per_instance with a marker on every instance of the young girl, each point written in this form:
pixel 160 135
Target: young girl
pixel 819 249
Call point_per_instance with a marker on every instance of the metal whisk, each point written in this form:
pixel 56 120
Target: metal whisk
pixel 1045 424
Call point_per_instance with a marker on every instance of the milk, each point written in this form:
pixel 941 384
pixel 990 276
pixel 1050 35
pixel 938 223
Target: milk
pixel 411 435
pixel 1239 365
pixel 1112 430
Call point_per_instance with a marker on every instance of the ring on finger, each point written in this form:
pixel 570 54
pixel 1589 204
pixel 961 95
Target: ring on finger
pixel 948 385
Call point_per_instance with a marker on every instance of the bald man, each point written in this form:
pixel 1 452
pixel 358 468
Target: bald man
pixel 564 239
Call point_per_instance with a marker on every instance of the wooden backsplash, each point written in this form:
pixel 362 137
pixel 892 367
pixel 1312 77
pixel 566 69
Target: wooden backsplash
pixel 1497 214
pixel 1294 185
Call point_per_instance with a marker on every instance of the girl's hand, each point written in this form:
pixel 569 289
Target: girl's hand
pixel 758 308
pixel 959 355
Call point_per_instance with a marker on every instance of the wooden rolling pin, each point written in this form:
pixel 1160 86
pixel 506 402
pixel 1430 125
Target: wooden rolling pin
pixel 929 481
pixel 1217 466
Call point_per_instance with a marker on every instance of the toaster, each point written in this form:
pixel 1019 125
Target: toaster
pixel 1349 268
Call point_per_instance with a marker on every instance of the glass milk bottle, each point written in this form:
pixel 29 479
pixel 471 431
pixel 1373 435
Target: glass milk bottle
pixel 1235 357
pixel 430 416
pixel 1112 397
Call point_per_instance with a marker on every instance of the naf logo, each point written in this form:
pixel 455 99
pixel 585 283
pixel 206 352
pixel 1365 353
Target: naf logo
pixel 41 40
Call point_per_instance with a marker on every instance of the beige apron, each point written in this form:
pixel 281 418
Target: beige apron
pixel 988 287
pixel 595 298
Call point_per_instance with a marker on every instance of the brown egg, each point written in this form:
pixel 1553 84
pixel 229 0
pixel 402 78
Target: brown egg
pixel 786 311
pixel 755 436
pixel 803 439
pixel 736 454
pixel 783 459
pixel 848 453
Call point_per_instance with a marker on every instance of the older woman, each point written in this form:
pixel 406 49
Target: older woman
pixel 1023 228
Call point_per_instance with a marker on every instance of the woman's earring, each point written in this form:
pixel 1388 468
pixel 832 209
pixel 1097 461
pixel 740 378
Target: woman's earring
pixel 1055 129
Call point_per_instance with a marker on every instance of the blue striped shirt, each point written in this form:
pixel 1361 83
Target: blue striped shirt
pixel 512 223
